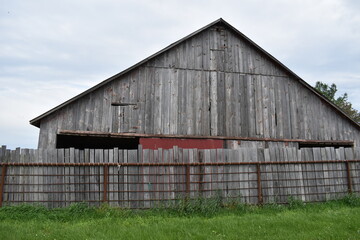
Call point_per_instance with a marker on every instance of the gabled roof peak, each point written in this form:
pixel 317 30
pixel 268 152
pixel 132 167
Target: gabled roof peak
pixel 36 121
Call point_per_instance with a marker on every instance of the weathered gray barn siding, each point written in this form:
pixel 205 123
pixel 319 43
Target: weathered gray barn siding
pixel 213 84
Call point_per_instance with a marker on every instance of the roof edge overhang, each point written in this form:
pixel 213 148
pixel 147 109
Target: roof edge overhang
pixel 36 121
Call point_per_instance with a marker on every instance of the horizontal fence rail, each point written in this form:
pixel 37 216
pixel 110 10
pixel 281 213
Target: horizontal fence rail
pixel 150 178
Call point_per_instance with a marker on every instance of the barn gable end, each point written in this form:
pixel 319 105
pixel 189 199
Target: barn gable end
pixel 213 83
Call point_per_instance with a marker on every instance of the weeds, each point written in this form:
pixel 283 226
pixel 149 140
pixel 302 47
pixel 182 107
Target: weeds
pixel 199 206
pixel 294 203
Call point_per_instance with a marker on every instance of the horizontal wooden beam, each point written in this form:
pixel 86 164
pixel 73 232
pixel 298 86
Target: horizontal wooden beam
pixel 140 135
pixel 71 164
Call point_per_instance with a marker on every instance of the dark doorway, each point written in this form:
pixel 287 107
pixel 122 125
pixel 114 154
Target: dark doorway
pixel 82 142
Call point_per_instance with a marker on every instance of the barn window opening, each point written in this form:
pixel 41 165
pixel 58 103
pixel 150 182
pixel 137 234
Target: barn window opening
pixel 93 142
pixel 326 144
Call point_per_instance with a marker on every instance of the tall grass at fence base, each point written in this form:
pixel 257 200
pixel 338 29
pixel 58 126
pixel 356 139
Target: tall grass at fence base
pixel 206 207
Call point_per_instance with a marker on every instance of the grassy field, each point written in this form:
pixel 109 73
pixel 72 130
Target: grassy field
pixel 332 220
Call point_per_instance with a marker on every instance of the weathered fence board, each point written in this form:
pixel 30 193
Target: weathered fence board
pixel 149 178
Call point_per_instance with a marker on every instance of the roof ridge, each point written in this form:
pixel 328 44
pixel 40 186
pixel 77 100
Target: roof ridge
pixel 36 121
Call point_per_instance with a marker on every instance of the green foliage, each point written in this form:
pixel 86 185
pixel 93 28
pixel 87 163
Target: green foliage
pixel 351 200
pixel 342 101
pixel 294 203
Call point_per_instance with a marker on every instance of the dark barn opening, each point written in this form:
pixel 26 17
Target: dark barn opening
pixel 326 144
pixel 82 142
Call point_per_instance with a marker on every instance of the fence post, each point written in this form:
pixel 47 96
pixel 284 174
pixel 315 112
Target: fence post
pixel 258 173
pixel 348 175
pixel 3 175
pixel 106 171
pixel 187 180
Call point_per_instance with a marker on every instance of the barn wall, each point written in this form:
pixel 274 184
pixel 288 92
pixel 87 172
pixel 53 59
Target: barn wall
pixel 213 84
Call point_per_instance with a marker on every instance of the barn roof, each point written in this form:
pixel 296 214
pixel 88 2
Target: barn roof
pixel 36 121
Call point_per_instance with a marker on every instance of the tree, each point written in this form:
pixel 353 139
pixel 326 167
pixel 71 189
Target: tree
pixel 342 101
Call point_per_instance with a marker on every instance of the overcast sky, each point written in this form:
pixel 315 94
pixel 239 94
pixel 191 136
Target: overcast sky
pixel 53 50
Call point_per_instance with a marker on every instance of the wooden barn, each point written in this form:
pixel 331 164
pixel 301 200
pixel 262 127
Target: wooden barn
pixel 213 114
pixel 215 88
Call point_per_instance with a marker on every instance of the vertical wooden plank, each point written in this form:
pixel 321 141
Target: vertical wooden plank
pixel 251 106
pixel 244 157
pixel 253 175
pixel 207 177
pixel 285 175
pixel 349 155
pixel 301 168
pixel 134 194
pixel 319 172
pixel 224 173
pixel 312 176
pixel 97 184
pixel 172 185
pixel 330 155
pixel 213 104
pixel 122 176
pixel 141 187
pixel 187 156
pixel 274 176
pixel 51 179
pixel 304 173
pixel 82 177
pixel 115 179
pixel 66 178
pixel 165 103
pixel 6 177
pixel 21 169
pixel 259 109
pixel 356 170
pixel 60 178
pixel 146 153
pixel 340 155
pixel 127 178
pixel 110 185
pixel 190 102
pixel 294 182
pixel 164 187
pixel 42 180
pixel 229 104
pixel 3 178
pixel 268 185
pixel 27 178
pixel 157 183
pixel 14 179
pixel 9 187
pixel 279 169
pixel 235 175
pixel 293 185
pixel 72 177
pixel 325 168
pixel 174 104
pixel 216 185
pixel 92 178
pixel 105 176
pixel 261 175
pixel 87 177
pixel 76 179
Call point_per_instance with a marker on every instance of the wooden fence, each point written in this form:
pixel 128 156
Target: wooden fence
pixel 147 178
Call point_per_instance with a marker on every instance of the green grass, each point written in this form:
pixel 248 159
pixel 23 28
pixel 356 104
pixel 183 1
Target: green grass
pixel 193 219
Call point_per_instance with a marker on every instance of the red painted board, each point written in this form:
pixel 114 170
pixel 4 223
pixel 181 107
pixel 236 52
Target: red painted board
pixel 167 143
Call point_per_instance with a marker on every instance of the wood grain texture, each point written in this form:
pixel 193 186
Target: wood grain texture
pixel 151 186
pixel 215 84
